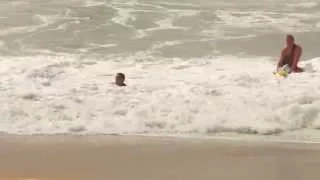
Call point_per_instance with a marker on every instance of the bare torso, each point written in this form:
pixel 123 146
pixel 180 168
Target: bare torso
pixel 290 56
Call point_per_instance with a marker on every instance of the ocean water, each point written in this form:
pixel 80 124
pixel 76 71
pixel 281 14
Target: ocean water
pixel 201 68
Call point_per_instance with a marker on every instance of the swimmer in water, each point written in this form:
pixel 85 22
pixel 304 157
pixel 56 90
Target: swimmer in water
pixel 290 55
pixel 119 80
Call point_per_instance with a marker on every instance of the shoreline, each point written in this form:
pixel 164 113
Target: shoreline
pixel 136 157
pixel 226 138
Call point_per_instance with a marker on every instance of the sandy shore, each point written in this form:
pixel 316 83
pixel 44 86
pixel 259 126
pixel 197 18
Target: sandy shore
pixel 154 158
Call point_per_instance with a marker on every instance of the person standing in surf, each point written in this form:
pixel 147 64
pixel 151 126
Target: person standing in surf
pixel 290 55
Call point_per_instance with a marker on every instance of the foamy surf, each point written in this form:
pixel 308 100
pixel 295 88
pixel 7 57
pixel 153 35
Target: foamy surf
pixel 193 69
pixel 64 94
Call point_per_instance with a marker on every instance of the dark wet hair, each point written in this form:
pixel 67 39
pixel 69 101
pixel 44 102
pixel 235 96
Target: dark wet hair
pixel 290 36
pixel 121 75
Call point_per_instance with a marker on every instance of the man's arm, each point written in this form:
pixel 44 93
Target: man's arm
pixel 281 58
pixel 296 58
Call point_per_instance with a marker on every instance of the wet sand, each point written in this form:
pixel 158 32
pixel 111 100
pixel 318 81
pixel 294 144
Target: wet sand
pixel 154 158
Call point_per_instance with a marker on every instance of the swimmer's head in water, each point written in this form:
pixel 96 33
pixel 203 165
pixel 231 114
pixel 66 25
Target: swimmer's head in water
pixel 290 39
pixel 120 77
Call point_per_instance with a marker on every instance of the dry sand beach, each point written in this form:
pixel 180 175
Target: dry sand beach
pixel 154 158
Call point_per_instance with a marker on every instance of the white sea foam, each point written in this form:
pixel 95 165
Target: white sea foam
pixel 200 96
pixel 92 3
pixel 166 23
pixel 124 15
pixel 124 12
pixel 305 4
pixel 41 21
pixel 164 44
pixel 65 93
pixel 266 20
